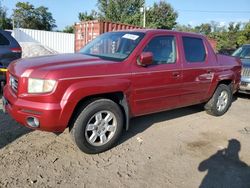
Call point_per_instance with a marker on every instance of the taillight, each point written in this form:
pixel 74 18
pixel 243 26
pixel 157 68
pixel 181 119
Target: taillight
pixel 16 50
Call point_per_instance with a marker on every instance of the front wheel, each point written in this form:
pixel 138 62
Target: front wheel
pixel 98 126
pixel 220 102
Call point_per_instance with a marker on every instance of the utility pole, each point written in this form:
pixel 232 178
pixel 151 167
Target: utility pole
pixel 143 11
pixel 13 22
pixel 144 15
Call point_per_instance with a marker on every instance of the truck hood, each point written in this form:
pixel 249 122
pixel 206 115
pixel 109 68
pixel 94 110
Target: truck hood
pixel 55 65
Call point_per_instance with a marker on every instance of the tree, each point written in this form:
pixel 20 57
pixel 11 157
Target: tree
pixel 121 11
pixel 204 29
pixel 27 16
pixel 228 38
pixel 243 36
pixel 5 22
pixel 217 27
pixel 44 18
pixel 68 29
pixel 161 16
pixel 84 16
pixel 184 28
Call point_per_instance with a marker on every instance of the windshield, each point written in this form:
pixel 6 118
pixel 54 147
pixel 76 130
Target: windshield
pixel 242 52
pixel 113 45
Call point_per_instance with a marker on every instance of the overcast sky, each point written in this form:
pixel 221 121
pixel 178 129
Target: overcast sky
pixel 192 12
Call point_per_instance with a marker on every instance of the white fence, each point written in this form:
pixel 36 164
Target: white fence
pixel 60 42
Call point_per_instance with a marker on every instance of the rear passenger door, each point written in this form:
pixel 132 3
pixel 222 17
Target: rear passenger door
pixel 197 70
pixel 157 87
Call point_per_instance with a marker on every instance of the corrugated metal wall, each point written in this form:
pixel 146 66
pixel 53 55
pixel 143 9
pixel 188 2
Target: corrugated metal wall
pixel 60 42
pixel 88 30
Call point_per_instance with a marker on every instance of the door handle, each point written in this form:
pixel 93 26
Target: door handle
pixel 209 71
pixel 176 74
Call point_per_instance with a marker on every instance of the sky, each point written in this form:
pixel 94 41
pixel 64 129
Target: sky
pixel 193 12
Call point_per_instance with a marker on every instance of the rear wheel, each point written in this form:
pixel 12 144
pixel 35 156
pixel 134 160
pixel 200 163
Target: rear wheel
pixel 220 102
pixel 98 126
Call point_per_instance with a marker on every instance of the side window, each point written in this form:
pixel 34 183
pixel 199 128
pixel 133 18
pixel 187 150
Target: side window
pixel 194 49
pixel 163 49
pixel 246 53
pixel 3 40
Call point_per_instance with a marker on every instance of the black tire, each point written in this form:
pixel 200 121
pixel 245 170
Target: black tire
pixel 86 115
pixel 1 88
pixel 212 106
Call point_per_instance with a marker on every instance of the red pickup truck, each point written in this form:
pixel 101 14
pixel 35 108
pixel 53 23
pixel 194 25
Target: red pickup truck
pixel 117 76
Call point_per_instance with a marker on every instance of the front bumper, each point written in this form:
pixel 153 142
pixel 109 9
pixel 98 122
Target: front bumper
pixel 245 85
pixel 48 114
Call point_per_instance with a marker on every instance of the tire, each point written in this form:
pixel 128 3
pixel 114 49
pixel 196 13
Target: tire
pixel 220 102
pixel 1 88
pixel 98 126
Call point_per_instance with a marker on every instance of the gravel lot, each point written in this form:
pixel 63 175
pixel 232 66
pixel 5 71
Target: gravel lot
pixel 32 49
pixel 179 148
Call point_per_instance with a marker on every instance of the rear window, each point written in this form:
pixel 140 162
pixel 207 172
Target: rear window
pixel 3 40
pixel 194 49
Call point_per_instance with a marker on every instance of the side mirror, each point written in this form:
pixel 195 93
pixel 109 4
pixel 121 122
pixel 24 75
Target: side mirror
pixel 145 59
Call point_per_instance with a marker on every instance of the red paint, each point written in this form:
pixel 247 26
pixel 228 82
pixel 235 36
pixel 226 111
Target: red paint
pixel 147 89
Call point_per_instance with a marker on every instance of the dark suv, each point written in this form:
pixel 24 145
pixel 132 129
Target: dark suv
pixel 9 51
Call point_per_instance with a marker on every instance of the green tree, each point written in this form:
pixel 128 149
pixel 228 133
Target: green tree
pixel 245 34
pixel 204 29
pixel 68 29
pixel 5 22
pixel 25 15
pixel 184 28
pixel 228 38
pixel 84 16
pixel 121 11
pixel 45 20
pixel 161 16
pixel 232 35
pixel 217 27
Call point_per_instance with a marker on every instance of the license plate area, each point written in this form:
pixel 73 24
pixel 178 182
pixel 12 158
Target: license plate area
pixel 243 83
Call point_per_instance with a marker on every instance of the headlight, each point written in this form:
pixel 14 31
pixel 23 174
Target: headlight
pixel 40 86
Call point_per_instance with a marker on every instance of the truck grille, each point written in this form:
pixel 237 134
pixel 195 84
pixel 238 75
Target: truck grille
pixel 245 72
pixel 13 83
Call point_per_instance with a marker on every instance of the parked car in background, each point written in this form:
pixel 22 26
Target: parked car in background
pixel 226 51
pixel 117 76
pixel 9 50
pixel 244 54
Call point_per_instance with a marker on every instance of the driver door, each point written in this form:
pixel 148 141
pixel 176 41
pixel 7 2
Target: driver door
pixel 157 87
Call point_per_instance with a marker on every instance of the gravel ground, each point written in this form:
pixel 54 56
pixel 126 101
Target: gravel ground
pixel 32 49
pixel 179 148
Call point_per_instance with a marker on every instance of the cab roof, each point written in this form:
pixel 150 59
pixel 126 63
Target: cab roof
pixel 158 31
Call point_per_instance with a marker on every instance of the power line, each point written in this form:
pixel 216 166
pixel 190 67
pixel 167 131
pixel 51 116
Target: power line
pixel 216 11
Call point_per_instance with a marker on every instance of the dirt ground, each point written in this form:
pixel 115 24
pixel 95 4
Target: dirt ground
pixel 179 148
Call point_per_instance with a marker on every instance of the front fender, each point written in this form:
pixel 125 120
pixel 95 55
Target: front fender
pixel 81 89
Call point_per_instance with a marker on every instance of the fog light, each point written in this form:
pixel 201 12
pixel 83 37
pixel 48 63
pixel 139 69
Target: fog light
pixel 33 122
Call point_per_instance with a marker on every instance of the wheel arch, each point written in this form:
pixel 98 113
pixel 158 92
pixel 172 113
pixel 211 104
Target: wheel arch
pixel 227 82
pixel 118 97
